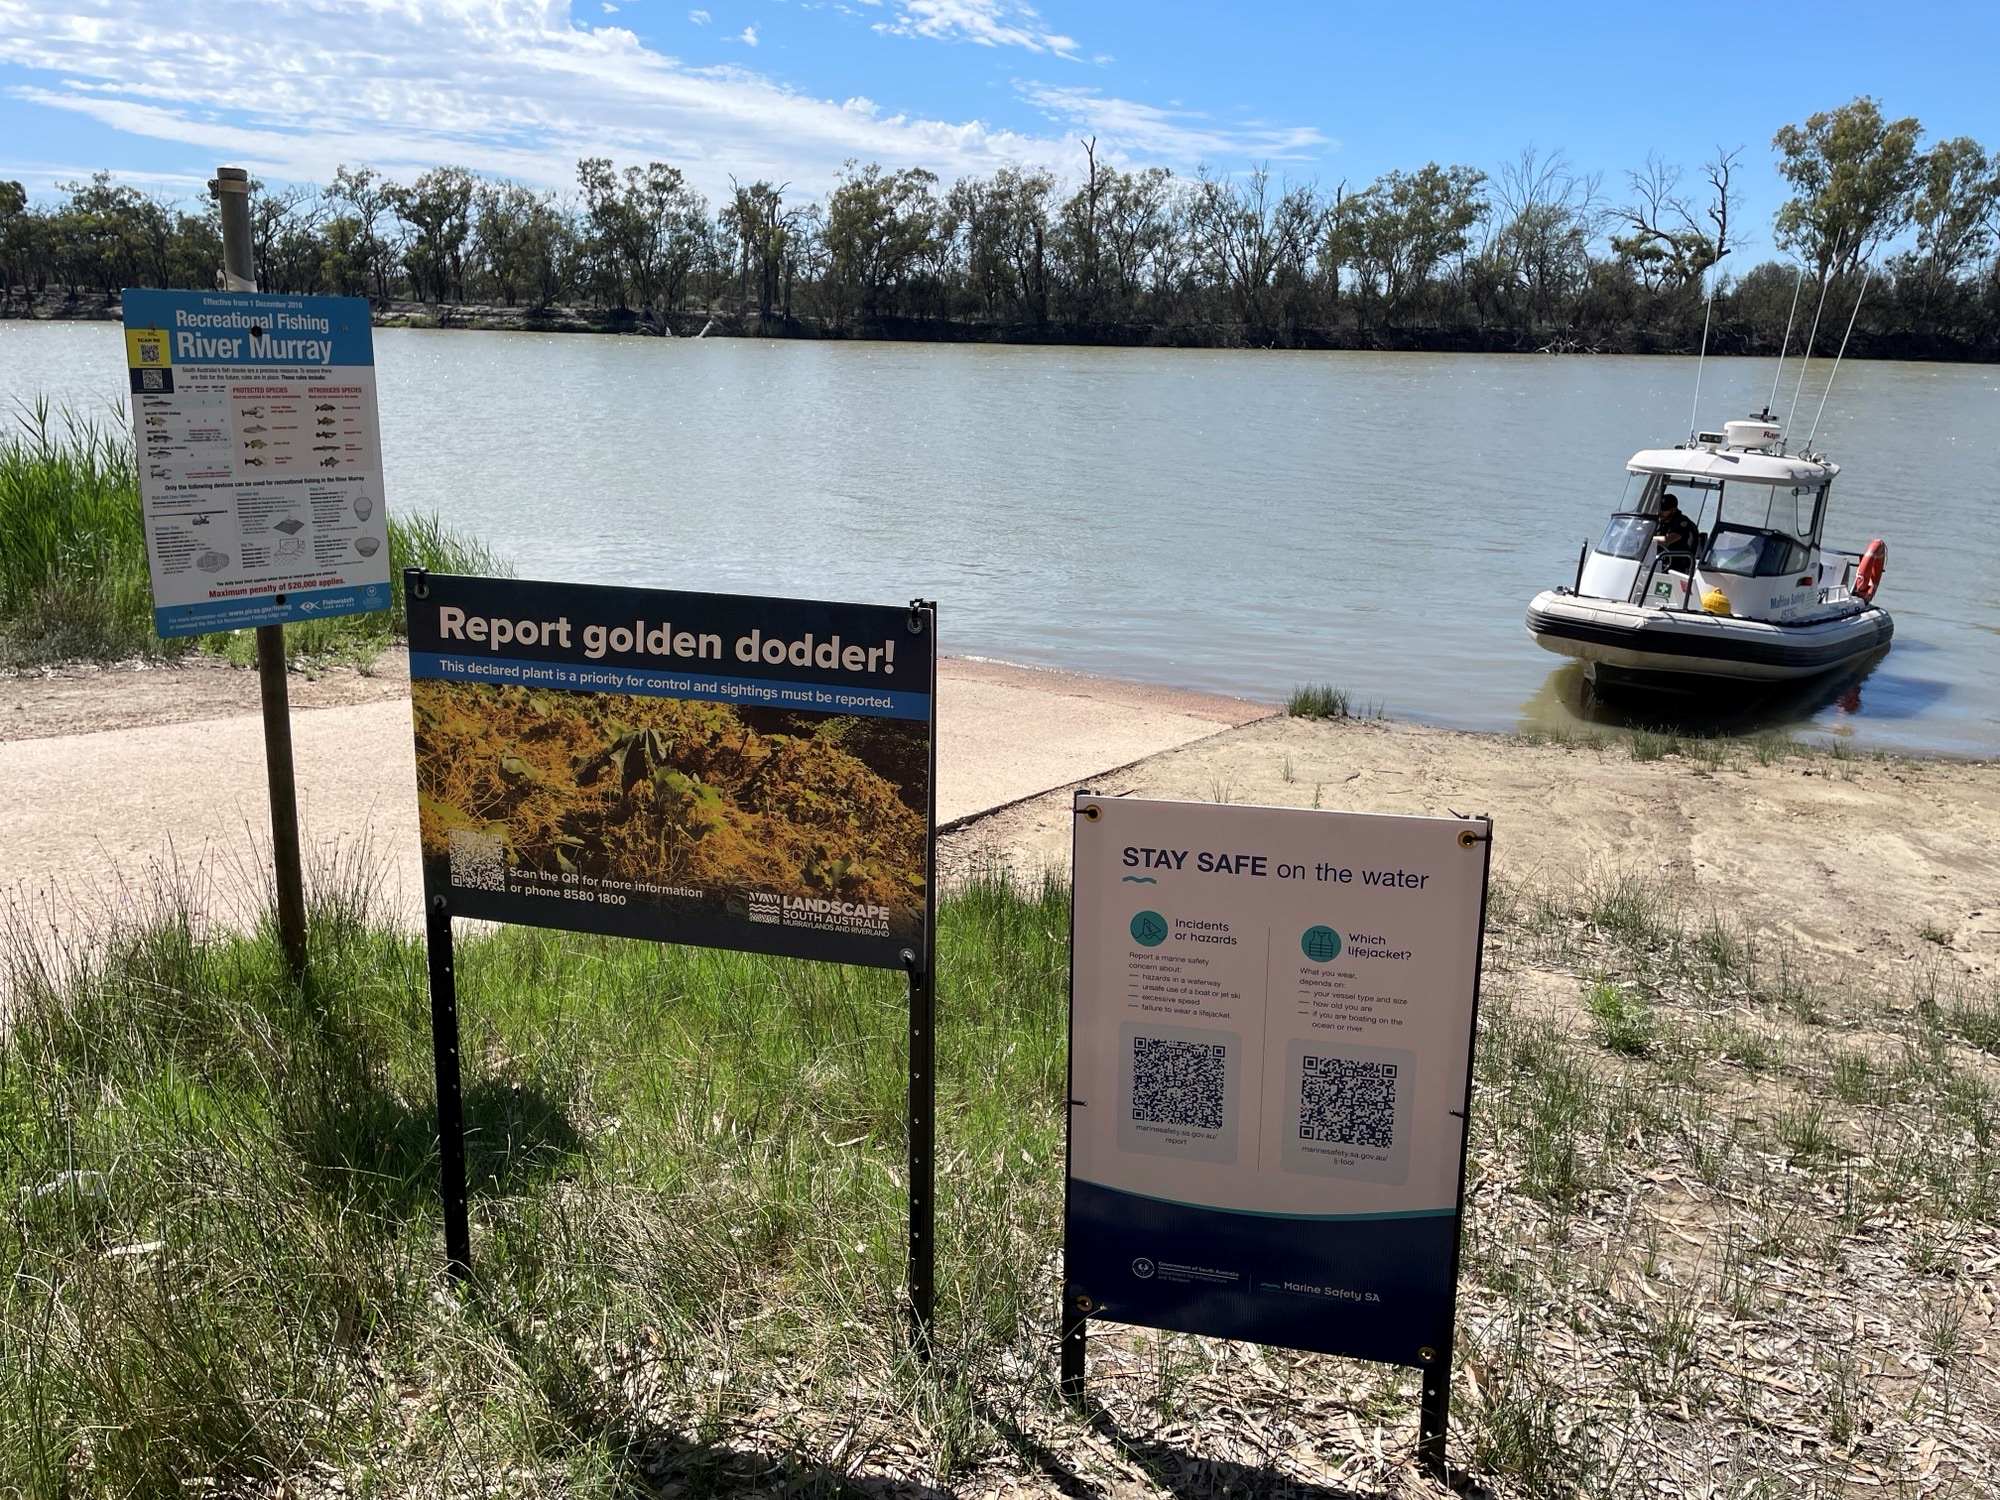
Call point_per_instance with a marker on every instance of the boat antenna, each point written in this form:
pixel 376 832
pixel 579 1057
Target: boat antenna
pixel 1707 308
pixel 1805 355
pixel 1785 348
pixel 1835 373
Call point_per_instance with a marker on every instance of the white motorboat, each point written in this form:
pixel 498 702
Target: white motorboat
pixel 1754 596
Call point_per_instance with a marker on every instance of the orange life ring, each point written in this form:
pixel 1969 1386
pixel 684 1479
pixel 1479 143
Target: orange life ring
pixel 1868 577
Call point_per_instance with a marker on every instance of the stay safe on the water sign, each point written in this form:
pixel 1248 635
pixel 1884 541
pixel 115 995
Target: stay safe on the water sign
pixel 1271 1035
pixel 260 468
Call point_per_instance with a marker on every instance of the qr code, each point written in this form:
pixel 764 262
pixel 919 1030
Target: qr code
pixel 1347 1102
pixel 1178 1083
pixel 478 860
pixel 152 380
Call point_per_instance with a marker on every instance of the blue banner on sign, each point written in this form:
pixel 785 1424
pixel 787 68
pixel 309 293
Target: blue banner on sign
pixel 1373 1287
pixel 269 609
pixel 253 329
pixel 743 692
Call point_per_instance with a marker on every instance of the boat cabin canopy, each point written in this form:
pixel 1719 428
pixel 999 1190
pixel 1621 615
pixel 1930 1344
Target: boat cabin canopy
pixel 1731 464
pixel 1759 514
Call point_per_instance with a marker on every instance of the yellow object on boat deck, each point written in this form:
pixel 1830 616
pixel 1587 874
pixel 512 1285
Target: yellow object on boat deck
pixel 1716 602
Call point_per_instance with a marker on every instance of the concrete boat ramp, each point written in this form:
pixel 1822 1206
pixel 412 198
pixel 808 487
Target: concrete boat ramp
pixel 92 823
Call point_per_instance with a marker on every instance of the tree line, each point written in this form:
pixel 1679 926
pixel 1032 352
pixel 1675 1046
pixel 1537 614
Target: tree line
pixel 1533 253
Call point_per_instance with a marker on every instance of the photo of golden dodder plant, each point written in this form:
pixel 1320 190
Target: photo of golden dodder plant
pixel 664 791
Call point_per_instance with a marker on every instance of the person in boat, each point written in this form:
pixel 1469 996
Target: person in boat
pixel 1678 535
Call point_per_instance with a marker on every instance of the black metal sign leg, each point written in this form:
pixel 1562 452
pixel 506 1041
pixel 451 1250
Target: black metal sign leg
pixel 923 1148
pixel 1434 1419
pixel 1075 1344
pixel 450 1097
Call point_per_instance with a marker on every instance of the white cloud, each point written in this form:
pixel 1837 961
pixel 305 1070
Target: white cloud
pixel 986 23
pixel 748 36
pixel 609 8
pixel 1173 135
pixel 516 88
pixel 700 17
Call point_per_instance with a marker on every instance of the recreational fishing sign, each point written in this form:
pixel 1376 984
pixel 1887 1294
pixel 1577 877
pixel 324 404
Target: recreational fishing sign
pixel 715 769
pixel 1271 1023
pixel 260 470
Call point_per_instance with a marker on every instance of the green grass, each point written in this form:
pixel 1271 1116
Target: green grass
pixel 220 1245
pixel 73 579
pixel 1625 1023
pixel 74 583
pixel 1710 751
pixel 1318 701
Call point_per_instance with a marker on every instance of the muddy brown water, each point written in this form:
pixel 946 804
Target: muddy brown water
pixel 1237 522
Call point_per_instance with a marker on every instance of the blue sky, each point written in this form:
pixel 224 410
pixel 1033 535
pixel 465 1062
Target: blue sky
pixel 789 89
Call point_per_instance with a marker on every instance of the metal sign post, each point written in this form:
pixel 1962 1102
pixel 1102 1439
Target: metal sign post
pixel 450 1091
pixel 231 187
pixel 923 1052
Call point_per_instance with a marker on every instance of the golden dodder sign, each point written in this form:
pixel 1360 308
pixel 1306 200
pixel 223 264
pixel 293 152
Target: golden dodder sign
pixel 698 768
pixel 714 769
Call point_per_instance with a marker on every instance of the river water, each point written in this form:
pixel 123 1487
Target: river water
pixel 1236 521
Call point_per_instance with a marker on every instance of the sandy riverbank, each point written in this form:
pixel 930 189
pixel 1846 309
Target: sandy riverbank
pixel 114 772
pixel 1860 863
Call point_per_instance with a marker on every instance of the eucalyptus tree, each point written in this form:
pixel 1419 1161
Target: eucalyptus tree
pixel 757 230
pixel 1403 226
pixel 285 225
pixel 362 197
pixel 649 229
pixel 1853 175
pixel 1956 207
pixel 17 239
pixel 1253 243
pixel 1111 242
pixel 437 207
pixel 1005 219
pixel 1669 241
pixel 881 228
pixel 1545 216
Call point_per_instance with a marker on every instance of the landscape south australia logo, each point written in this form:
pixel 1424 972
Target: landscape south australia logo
pixel 1321 944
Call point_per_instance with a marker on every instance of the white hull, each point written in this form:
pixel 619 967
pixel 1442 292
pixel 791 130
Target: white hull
pixel 1649 641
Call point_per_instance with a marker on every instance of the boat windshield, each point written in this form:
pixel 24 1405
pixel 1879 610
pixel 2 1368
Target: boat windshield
pixel 1626 536
pixel 1752 553
pixel 1791 511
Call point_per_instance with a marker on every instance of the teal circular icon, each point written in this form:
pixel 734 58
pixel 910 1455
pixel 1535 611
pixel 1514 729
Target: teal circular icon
pixel 1321 944
pixel 1149 929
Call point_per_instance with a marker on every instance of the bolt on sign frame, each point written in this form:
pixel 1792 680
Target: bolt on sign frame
pixel 1272 1013
pixel 576 746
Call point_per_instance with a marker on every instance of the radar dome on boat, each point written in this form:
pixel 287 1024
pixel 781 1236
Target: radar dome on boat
pixel 1754 433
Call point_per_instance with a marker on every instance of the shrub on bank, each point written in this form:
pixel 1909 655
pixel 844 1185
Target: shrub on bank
pixel 74 583
pixel 1317 701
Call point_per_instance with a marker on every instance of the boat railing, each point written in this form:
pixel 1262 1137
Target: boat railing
pixel 1644 596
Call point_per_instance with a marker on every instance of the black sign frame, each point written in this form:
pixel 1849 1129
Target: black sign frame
pixel 914 955
pixel 1432 1362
